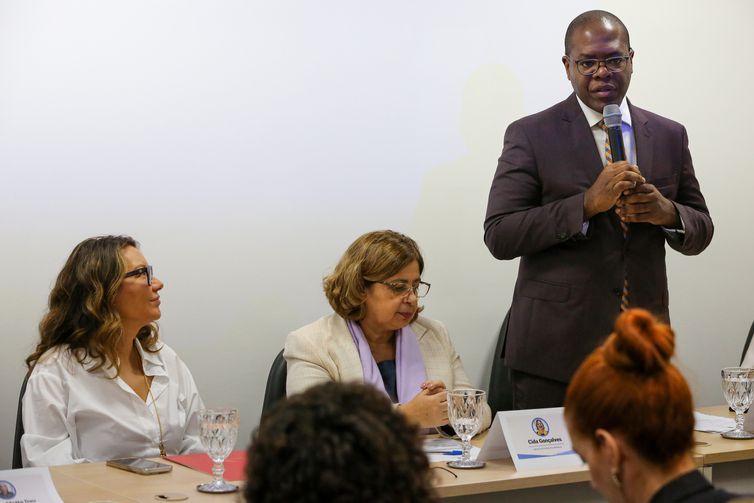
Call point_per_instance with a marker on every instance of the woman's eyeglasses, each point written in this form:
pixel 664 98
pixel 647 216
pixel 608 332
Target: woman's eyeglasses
pixel 141 271
pixel 420 289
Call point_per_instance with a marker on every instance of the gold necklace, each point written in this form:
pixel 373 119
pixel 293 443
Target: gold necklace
pixel 156 413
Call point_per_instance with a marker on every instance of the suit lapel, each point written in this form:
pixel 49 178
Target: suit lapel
pixel 418 329
pixel 643 139
pixel 581 138
pixel 585 148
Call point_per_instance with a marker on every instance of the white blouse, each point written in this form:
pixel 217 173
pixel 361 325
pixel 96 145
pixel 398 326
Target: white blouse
pixel 71 415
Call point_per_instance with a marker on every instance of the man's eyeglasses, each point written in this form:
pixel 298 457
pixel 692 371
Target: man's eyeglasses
pixel 588 67
pixel 420 289
pixel 141 271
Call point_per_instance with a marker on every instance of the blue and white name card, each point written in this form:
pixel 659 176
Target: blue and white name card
pixel 27 485
pixel 536 439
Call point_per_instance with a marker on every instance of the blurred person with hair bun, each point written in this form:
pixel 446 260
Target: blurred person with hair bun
pixel 630 415
pixel 376 335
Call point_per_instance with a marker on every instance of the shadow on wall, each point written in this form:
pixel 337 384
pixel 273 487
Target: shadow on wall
pixel 448 224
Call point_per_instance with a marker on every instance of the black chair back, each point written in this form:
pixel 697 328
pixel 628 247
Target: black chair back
pixel 500 392
pixel 747 343
pixel 19 427
pixel 275 389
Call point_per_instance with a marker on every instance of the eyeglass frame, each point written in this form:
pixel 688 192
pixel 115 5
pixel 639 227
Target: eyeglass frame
pixel 147 269
pixel 411 288
pixel 601 62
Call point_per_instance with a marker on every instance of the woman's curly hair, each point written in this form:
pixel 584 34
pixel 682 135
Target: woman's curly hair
pixel 81 313
pixel 339 443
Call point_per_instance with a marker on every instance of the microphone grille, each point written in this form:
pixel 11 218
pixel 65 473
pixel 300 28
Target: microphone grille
pixel 612 116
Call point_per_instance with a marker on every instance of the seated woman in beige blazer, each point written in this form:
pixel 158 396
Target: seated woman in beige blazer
pixel 376 335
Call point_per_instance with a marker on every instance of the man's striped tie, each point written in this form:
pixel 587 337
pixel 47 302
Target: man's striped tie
pixel 623 225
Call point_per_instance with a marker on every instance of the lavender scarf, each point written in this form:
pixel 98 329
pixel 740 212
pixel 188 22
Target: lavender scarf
pixel 409 364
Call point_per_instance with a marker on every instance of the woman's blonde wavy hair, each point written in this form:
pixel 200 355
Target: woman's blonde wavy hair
pixel 374 256
pixel 81 312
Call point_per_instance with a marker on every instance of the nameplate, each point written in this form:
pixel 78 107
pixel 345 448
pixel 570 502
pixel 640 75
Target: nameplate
pixel 536 439
pixel 27 485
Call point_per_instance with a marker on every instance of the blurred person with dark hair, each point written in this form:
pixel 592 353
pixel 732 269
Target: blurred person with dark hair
pixel 337 442
pixel 102 385
pixel 630 415
pixel 376 335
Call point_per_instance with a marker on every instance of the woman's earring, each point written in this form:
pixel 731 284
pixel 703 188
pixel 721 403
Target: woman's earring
pixel 616 479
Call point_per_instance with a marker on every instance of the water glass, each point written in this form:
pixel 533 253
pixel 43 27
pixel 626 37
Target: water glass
pixel 737 388
pixel 218 430
pixel 465 409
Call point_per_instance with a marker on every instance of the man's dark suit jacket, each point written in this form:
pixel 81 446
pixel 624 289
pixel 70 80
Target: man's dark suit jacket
pixel 568 290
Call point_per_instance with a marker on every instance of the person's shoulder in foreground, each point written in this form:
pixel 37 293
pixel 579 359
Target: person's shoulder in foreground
pixel 693 487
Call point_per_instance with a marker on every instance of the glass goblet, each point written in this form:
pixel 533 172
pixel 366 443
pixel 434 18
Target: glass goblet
pixel 737 388
pixel 218 431
pixel 465 408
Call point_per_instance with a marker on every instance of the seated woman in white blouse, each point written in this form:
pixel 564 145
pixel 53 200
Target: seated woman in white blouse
pixel 376 335
pixel 101 385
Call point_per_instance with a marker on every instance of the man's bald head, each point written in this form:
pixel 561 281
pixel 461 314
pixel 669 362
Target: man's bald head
pixel 592 16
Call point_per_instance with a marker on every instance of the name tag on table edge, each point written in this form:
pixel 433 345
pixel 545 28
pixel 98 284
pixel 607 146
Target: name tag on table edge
pixel 535 439
pixel 28 484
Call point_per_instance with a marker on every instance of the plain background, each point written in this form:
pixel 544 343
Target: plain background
pixel 245 144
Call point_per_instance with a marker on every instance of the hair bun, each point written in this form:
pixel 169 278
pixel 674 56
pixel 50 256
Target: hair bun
pixel 639 343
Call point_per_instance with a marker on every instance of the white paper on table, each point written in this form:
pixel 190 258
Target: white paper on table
pixel 441 444
pixel 28 485
pixel 712 424
pixel 435 457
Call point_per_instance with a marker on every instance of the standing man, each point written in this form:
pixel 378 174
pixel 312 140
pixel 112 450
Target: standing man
pixel 591 233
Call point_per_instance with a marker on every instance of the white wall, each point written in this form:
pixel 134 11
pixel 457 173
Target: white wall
pixel 245 144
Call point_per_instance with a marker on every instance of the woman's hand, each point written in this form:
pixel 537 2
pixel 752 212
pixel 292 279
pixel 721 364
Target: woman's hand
pixel 433 386
pixel 428 408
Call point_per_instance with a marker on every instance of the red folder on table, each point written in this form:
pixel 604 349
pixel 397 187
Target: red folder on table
pixel 235 464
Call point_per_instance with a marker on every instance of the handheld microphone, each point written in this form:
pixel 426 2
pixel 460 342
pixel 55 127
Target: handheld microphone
pixel 612 117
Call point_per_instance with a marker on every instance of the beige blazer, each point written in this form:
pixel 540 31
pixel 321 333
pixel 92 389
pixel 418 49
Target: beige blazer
pixel 324 351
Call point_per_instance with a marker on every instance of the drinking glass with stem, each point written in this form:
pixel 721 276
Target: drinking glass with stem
pixel 465 408
pixel 737 388
pixel 218 431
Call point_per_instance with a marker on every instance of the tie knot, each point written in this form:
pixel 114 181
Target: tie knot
pixel 602 125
